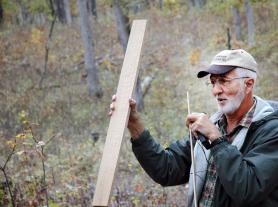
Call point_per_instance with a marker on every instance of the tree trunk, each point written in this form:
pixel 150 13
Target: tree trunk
pixel 1 13
pixel 199 3
pixel 229 46
pixel 122 21
pixel 39 19
pixel 138 6
pixel 250 23
pixel 123 29
pixel 191 4
pixel 161 4
pixel 92 6
pixel 147 3
pixel 236 18
pixel 60 10
pixel 138 94
pixel 146 85
pixel 90 63
pixel 67 12
pixel 23 13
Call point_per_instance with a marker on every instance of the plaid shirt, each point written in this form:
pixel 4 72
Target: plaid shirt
pixel 206 199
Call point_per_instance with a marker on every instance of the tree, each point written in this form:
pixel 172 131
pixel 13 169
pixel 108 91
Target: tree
pixel 160 4
pixel 1 13
pixel 236 20
pixel 23 15
pixel 45 69
pixel 67 11
pixel 60 10
pixel 92 6
pixel 123 29
pixel 199 3
pixel 229 46
pixel 250 23
pixel 90 62
pixel 191 5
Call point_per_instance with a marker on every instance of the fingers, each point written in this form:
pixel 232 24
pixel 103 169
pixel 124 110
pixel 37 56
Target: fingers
pixel 191 118
pixel 112 108
pixel 114 97
pixel 200 124
pixel 194 129
pixel 196 122
pixel 132 104
pixel 132 101
pixel 112 105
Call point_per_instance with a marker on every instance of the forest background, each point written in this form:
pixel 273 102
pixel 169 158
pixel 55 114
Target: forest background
pixel 60 62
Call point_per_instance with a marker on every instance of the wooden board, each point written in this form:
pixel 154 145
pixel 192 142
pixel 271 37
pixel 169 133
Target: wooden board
pixel 120 116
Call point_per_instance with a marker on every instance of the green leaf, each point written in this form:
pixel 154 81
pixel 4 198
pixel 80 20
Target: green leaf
pixel 53 204
pixel 27 143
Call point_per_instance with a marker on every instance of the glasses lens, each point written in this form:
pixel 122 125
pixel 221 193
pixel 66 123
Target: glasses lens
pixel 222 81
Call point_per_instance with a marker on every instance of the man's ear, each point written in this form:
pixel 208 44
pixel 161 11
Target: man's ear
pixel 249 84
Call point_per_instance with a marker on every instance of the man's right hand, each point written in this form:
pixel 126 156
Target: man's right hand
pixel 135 126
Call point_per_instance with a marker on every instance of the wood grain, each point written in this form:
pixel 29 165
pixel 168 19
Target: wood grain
pixel 120 116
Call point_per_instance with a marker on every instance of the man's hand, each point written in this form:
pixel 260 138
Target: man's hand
pixel 199 122
pixel 135 126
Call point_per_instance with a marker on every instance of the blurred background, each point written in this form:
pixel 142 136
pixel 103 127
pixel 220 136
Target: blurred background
pixel 60 62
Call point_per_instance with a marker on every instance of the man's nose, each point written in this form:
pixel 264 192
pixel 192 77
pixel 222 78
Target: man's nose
pixel 216 89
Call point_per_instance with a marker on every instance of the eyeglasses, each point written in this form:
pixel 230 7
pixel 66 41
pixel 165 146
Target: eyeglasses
pixel 222 81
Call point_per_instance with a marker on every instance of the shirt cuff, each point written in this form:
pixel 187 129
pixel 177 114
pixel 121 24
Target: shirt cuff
pixel 218 147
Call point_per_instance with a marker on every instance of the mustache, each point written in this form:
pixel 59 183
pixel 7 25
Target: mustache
pixel 220 98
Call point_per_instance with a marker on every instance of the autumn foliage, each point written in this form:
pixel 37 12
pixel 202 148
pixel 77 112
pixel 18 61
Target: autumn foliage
pixel 52 134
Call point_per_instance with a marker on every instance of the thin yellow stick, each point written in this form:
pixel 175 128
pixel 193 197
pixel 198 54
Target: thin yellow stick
pixel 192 156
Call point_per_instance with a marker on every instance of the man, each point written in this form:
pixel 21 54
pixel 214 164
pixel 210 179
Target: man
pixel 240 167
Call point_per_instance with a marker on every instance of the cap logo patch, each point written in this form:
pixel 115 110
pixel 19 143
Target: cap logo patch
pixel 221 58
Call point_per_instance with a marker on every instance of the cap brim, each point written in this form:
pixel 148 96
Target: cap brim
pixel 215 70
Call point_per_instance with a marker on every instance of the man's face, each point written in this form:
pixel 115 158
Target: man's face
pixel 229 93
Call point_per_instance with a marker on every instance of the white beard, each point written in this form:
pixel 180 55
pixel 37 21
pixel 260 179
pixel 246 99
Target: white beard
pixel 232 103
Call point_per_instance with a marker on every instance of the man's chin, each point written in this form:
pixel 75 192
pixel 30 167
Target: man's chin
pixel 226 109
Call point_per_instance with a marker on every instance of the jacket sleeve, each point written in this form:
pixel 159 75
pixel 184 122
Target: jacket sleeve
pixel 250 178
pixel 170 166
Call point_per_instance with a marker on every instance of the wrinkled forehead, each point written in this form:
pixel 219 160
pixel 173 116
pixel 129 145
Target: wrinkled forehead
pixel 224 75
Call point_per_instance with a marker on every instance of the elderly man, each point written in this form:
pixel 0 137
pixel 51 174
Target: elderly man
pixel 240 166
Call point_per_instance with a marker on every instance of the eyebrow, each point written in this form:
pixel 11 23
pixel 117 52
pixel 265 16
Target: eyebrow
pixel 220 76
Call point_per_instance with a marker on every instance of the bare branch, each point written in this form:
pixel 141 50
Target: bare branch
pixel 42 157
pixel 9 156
pixel 3 169
pixel 50 139
pixel 54 16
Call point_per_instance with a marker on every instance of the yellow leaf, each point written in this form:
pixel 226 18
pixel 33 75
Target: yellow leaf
pixel 11 143
pixel 107 64
pixel 194 56
pixel 22 114
pixel 36 36
pixel 21 136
